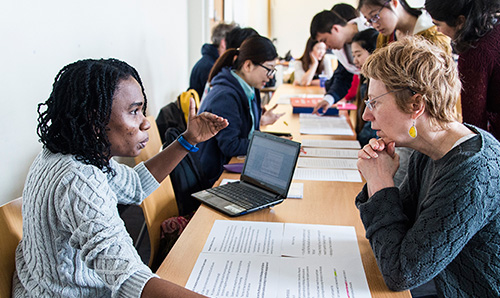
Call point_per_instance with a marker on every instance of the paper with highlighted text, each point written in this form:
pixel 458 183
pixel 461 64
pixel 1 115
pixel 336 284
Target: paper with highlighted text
pixel 266 259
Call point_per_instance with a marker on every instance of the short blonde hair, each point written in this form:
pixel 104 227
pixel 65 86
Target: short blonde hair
pixel 413 64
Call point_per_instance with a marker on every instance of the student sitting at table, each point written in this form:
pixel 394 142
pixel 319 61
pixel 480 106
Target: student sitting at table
pixel 363 45
pixel 74 242
pixel 336 31
pixel 443 222
pixel 236 79
pixel 234 39
pixel 312 64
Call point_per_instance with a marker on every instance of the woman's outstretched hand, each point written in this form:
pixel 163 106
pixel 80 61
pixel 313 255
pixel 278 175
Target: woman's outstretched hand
pixel 203 126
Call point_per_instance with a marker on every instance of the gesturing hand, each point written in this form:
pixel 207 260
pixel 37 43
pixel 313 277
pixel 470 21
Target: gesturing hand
pixel 203 126
pixel 269 117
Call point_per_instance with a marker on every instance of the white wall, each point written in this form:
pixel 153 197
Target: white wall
pixel 40 37
pixel 291 20
pixel 161 38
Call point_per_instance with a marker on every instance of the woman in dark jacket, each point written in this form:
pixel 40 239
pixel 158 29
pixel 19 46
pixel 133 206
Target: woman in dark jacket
pixel 235 80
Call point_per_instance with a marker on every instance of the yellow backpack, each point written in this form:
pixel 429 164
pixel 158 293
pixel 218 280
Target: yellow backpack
pixel 183 100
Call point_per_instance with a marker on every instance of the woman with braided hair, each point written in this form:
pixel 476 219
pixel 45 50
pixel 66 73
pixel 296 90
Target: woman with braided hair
pixel 74 242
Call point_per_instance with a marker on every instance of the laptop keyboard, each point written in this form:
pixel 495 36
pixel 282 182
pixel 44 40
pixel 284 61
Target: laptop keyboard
pixel 242 195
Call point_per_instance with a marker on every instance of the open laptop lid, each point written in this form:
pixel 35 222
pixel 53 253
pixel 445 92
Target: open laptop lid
pixel 270 162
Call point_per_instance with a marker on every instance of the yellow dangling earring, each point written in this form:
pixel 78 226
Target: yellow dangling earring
pixel 413 130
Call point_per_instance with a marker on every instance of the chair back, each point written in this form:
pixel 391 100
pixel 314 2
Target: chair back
pixel 157 207
pixel 153 146
pixel 11 223
pixel 187 177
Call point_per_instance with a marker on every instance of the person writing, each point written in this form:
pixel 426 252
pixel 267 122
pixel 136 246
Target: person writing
pixel 473 28
pixel 443 222
pixel 312 64
pixel 236 79
pixel 74 243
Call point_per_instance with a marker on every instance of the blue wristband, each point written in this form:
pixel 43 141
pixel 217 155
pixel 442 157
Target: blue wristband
pixel 187 145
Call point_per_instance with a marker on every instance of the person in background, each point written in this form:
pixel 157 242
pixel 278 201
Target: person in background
pixel 443 222
pixel 210 53
pixel 473 28
pixel 394 19
pixel 235 37
pixel 313 63
pixel 236 79
pixel 336 30
pixel 363 45
pixel 74 242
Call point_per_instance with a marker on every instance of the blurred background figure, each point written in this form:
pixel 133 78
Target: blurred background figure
pixel 210 53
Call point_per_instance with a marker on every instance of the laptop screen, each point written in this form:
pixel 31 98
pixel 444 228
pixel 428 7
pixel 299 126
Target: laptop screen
pixel 270 162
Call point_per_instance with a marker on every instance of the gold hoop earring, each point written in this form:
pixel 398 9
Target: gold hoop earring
pixel 413 130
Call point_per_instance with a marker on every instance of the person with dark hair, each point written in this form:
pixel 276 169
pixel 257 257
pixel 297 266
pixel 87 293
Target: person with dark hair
pixel 74 242
pixel 396 18
pixel 235 37
pixel 363 45
pixel 443 222
pixel 336 29
pixel 314 62
pixel 346 11
pixel 210 53
pixel 473 28
pixel 236 79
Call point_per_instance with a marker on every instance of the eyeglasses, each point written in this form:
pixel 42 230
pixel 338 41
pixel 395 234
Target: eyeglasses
pixel 370 103
pixel 270 71
pixel 376 17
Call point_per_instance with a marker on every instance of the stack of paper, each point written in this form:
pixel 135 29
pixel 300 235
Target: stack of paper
pixel 268 260
pixel 328 160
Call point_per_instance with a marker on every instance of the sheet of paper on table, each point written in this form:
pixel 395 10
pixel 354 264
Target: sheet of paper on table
pixel 327 163
pixel 324 125
pixel 327 152
pixel 266 259
pixel 327 175
pixel 346 144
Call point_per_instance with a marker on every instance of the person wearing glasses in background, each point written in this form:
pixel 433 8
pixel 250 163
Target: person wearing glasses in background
pixel 336 28
pixel 235 79
pixel 443 222
pixel 394 19
pixel 473 25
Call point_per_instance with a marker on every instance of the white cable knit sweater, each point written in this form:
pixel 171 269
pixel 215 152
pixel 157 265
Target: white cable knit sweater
pixel 74 242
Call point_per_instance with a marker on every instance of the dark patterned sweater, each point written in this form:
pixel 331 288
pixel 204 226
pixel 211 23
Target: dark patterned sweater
pixel 443 223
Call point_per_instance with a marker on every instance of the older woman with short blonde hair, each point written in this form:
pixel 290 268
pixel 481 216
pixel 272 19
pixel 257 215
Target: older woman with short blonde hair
pixel 443 222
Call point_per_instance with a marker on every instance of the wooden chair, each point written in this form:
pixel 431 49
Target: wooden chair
pixel 161 204
pixel 11 223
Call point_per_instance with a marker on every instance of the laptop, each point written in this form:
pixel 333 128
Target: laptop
pixel 265 179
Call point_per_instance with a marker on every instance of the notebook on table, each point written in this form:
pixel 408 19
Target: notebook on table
pixel 265 179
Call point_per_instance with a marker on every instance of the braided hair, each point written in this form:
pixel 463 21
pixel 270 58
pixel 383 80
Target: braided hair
pixel 78 109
